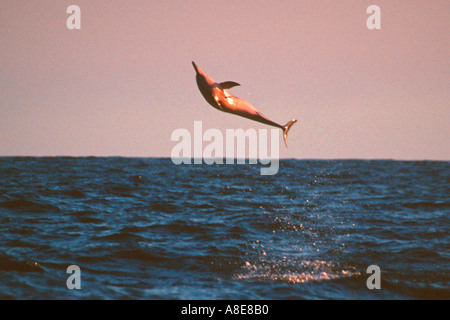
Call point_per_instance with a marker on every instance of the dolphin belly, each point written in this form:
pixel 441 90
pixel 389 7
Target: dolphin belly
pixel 244 109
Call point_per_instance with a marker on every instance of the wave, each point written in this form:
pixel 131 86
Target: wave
pixel 29 206
pixel 427 205
pixel 11 264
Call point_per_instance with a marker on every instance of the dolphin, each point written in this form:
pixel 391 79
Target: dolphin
pixel 216 94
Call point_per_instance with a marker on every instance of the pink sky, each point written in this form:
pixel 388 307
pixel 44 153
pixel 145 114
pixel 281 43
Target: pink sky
pixel 124 82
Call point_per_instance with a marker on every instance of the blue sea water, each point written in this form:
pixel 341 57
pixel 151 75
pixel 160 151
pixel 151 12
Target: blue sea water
pixel 144 228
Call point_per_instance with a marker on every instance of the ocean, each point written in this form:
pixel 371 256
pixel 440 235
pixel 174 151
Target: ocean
pixel 144 228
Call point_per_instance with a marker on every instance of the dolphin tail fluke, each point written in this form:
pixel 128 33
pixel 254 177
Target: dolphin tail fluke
pixel 286 129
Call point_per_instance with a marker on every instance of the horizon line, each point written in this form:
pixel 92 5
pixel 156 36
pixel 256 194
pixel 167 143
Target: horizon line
pixel 192 158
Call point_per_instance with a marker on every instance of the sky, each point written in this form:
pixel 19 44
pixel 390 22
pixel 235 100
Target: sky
pixel 121 84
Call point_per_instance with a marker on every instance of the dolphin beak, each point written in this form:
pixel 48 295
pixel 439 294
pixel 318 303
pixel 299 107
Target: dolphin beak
pixel 195 67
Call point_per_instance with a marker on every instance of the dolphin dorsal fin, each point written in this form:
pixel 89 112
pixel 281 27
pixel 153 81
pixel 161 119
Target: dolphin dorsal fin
pixel 228 85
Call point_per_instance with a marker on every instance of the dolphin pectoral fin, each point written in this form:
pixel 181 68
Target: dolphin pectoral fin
pixel 286 129
pixel 228 85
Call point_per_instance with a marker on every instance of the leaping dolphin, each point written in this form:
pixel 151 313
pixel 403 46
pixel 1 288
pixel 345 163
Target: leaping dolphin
pixel 216 94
